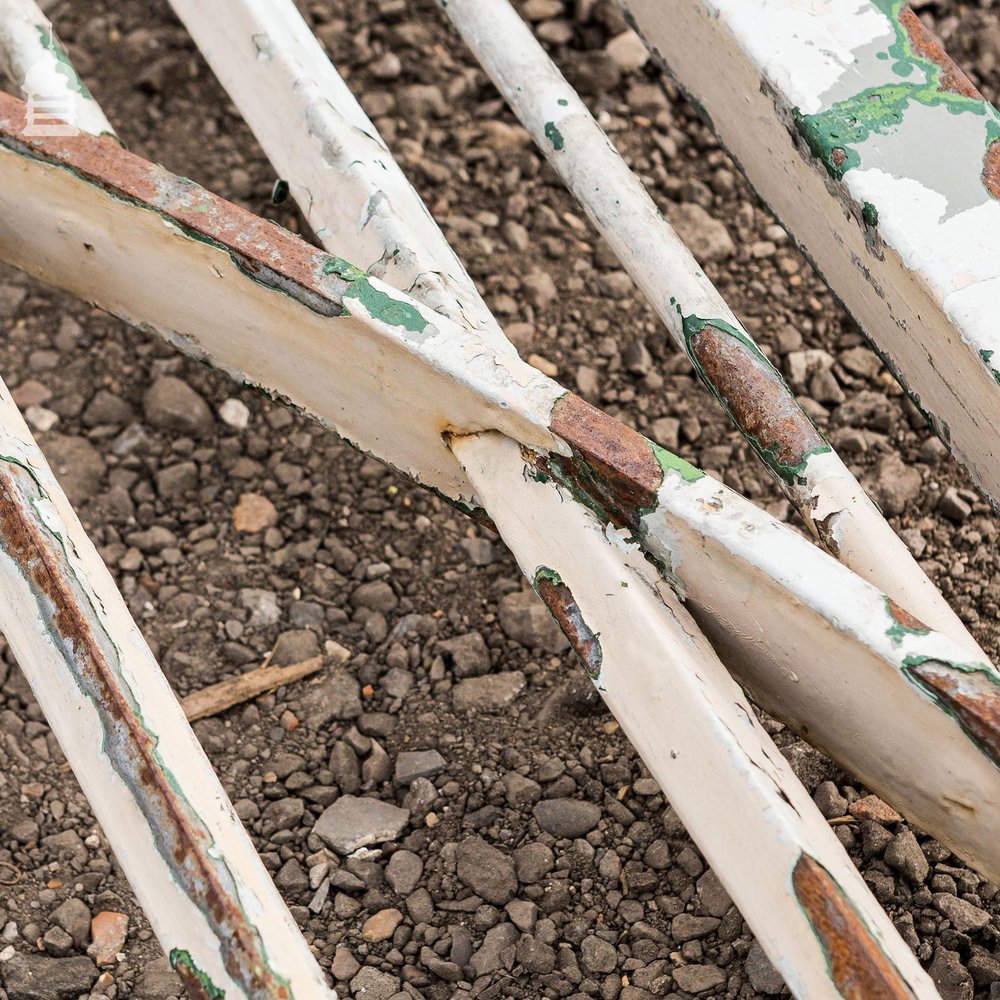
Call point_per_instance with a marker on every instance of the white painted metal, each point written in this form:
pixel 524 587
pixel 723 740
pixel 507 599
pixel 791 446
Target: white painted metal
pixel 904 221
pixel 345 180
pixel 690 723
pixel 151 787
pixel 33 59
pixel 823 490
pixel 823 650
pixel 393 377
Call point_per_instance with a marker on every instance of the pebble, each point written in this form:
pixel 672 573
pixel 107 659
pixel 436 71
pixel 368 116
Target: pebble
pixel 381 926
pixel 108 931
pixel 234 413
pixel 873 808
pixel 404 872
pixel 707 238
pixel 895 484
pixel 948 975
pixel 490 693
pixel 413 764
pixel 763 976
pixel 73 916
pixel 466 654
pixel 905 856
pixel 628 51
pixel 963 915
pixel 353 822
pixel 77 464
pixel 158 981
pixel 699 978
pixel 524 618
pixel 254 513
pixel 953 506
pixel 38 977
pixel 337 695
pixel 173 405
pixel 569 818
pixel 487 871
pixel 598 955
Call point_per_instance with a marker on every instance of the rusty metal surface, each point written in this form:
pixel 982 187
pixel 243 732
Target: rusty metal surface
pixel 925 43
pixel 858 967
pixel 756 396
pixel 562 606
pixel 89 653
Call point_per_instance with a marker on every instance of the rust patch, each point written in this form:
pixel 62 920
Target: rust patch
pixel 838 156
pixel 129 746
pixel 925 43
pixel 904 619
pixel 859 968
pixel 757 398
pixel 991 168
pixel 970 695
pixel 261 247
pixel 559 600
pixel 623 461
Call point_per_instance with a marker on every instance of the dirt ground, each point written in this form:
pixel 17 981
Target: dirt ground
pixel 597 892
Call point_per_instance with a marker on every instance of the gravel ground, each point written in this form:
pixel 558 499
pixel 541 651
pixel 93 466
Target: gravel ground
pixel 548 864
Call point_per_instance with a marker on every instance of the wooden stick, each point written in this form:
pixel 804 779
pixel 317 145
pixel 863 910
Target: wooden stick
pixel 218 697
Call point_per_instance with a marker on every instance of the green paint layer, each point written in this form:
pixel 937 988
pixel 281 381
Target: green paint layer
pixel 183 964
pixel 834 134
pixel 554 135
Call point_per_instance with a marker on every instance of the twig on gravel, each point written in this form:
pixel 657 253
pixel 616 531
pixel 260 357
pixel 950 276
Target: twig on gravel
pixel 218 697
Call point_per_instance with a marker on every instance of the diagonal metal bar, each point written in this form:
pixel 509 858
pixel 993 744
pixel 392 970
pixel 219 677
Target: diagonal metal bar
pixel 33 58
pixel 805 900
pixel 317 136
pixel 815 479
pixel 392 376
pixel 883 160
pixel 174 831
pixel 168 819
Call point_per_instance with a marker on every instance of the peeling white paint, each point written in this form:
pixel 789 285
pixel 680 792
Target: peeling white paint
pixel 690 722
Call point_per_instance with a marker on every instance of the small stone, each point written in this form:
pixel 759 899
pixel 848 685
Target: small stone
pixel 381 926
pixel 539 289
pixel 895 484
pixel 873 808
pixel 829 800
pixel 666 432
pixel 523 913
pixel 262 605
pixel 235 414
pixel 158 981
pixel 628 51
pixel 569 818
pixel 41 418
pixel 713 894
pixel 763 976
pixel 353 822
pixel 376 595
pixel 525 619
pixel 698 978
pixel 537 958
pixel 861 361
pixel 413 764
pixel 176 480
pixel 254 513
pixel 336 696
pixel 466 654
pixel 497 951
pixel 953 506
pixel 487 871
pixel 295 646
pixel 108 931
pixel 57 942
pixel 598 955
pixel 963 915
pixel 905 856
pixel 403 872
pixel 950 978
pixel 77 464
pixel 490 693
pixel 73 916
pixel 344 965
pixel 707 238
pixel 173 405
pixel 533 862
pixel 689 927
pixel 636 358
pixel 370 984
pixel 38 977
pixel 107 409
